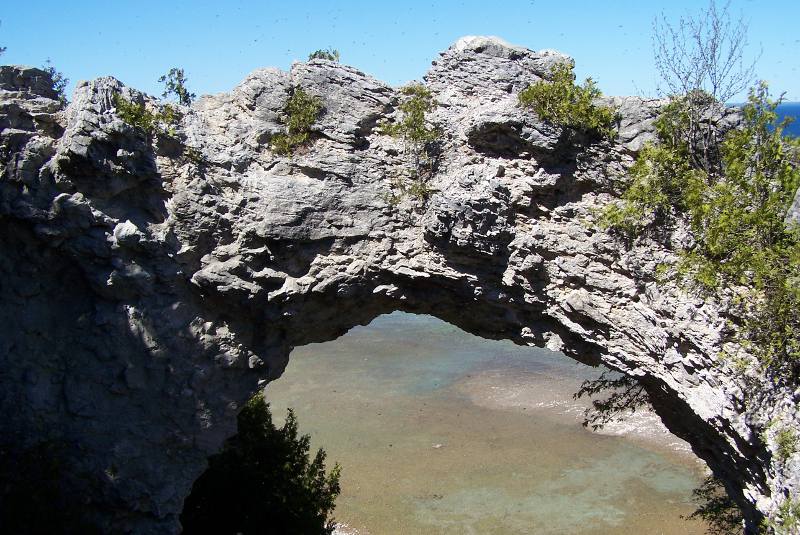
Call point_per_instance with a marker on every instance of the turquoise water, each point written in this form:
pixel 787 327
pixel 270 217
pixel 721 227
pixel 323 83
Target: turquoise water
pixel 440 432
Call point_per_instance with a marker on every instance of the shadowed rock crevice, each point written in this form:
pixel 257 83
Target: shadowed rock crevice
pixel 148 293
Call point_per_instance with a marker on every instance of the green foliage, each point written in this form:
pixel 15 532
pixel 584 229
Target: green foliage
pixel 151 123
pixel 175 84
pixel 330 54
pixel 421 139
pixel 787 521
pixel 721 513
pixel 561 102
pixel 736 215
pixel 621 396
pixel 59 81
pixel 786 441
pixel 301 112
pixel 263 482
pixel 402 188
pixel 658 182
pixel 413 128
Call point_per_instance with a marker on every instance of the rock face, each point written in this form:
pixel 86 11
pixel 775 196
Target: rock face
pixel 150 288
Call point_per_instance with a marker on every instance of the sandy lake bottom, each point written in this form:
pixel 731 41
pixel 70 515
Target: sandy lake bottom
pixel 441 432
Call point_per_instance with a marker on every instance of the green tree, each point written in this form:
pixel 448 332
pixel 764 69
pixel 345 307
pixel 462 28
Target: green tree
pixel 421 138
pixel 263 482
pixel 175 84
pixel 330 54
pixel 562 102
pixel 59 80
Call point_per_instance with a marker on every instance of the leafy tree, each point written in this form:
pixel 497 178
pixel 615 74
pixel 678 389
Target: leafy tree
pixel 300 113
pixel 714 507
pixel 621 396
pixel 562 102
pixel 263 482
pixel 175 84
pixel 330 54
pixel 59 81
pixel 701 63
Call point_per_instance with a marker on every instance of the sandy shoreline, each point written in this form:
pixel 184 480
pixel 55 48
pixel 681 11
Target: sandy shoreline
pixel 503 389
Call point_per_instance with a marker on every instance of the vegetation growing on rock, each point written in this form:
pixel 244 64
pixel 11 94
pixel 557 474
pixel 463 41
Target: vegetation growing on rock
pixel 139 116
pixel 59 81
pixel 264 482
pixel 175 85
pixel 301 111
pixel 421 140
pixel 331 54
pixel 562 102
pixel 736 210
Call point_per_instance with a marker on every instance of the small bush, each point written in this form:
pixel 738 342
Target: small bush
pixel 301 112
pixel 659 180
pixel 151 123
pixel 561 102
pixel 787 521
pixel 330 54
pixel 263 482
pixel 786 441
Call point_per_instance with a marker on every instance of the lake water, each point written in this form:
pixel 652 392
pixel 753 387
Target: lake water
pixel 441 432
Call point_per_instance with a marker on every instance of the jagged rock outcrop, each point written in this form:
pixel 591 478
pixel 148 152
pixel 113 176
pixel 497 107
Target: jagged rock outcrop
pixel 149 288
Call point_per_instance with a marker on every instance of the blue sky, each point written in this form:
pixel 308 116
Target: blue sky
pixel 218 43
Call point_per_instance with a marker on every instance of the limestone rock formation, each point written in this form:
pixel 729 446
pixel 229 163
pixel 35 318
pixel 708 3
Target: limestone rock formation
pixel 151 286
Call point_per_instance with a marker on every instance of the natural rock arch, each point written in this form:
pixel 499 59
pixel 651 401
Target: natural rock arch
pixel 151 289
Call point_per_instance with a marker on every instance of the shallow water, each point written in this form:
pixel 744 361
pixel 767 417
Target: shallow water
pixel 440 432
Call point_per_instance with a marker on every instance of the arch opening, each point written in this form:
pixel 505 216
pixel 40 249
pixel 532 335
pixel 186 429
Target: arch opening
pixel 442 431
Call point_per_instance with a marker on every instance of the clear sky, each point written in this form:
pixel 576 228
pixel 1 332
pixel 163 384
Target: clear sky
pixel 218 43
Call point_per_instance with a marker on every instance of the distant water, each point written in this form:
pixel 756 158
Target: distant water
pixel 790 109
pixel 440 432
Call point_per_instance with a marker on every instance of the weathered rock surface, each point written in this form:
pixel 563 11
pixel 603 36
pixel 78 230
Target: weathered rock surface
pixel 150 288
